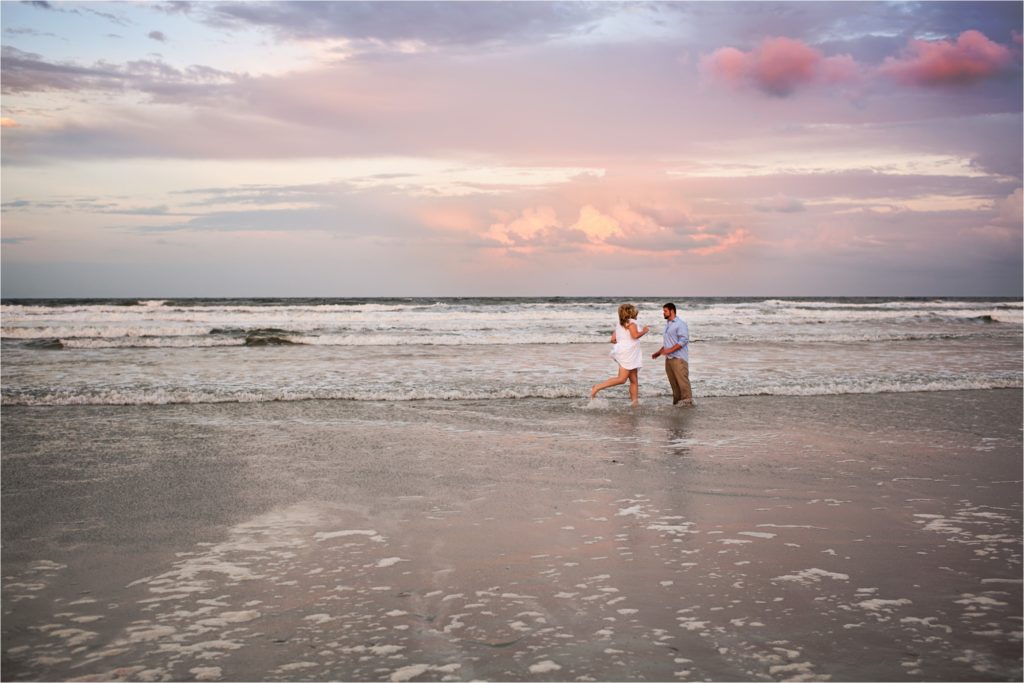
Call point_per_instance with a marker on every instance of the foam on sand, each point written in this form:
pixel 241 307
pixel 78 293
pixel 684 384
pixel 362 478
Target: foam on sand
pixel 812 575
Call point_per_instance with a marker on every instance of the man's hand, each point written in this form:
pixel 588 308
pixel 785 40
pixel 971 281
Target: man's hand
pixel 656 354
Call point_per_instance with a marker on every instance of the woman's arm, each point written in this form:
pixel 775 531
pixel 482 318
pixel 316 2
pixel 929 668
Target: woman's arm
pixel 637 334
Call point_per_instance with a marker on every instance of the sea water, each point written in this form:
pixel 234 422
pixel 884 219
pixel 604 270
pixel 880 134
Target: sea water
pixel 61 352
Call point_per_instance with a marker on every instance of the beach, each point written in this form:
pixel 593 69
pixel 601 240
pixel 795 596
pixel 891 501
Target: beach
pixel 303 307
pixel 828 537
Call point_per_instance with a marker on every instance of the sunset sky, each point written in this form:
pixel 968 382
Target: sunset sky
pixel 476 149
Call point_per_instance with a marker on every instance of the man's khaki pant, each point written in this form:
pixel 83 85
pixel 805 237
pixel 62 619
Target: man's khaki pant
pixel 678 371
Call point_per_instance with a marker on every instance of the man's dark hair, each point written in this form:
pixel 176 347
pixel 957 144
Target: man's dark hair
pixel 670 306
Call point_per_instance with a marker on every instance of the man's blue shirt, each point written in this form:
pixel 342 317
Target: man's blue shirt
pixel 677 332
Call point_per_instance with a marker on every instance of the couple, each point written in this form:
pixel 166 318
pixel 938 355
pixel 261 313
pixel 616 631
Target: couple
pixel 675 348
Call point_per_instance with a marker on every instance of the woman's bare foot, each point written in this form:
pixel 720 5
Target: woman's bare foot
pixel 593 392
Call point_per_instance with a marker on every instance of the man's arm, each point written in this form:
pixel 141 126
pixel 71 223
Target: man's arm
pixel 664 352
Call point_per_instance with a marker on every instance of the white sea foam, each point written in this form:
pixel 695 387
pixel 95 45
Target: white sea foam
pixel 389 562
pixel 543 667
pixel 168 351
pixel 407 673
pixel 880 605
pixel 328 535
pixel 206 673
pixel 521 322
pixel 813 575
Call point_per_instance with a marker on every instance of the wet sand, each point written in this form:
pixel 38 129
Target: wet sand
pixel 873 537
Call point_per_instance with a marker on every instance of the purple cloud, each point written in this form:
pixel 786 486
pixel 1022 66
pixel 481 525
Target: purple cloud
pixel 439 23
pixel 29 72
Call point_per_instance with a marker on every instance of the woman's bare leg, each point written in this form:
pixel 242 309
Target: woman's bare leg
pixel 622 377
pixel 634 386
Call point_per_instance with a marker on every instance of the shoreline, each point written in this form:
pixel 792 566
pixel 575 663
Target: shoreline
pixel 751 538
pixel 653 398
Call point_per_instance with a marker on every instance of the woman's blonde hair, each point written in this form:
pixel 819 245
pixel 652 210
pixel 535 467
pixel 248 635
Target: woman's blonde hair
pixel 627 312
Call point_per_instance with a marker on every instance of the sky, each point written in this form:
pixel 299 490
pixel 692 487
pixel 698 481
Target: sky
pixel 357 149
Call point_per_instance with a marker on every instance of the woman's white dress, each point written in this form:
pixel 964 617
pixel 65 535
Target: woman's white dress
pixel 626 351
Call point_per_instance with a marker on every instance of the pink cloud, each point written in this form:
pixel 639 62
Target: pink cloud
pixel 779 66
pixel 722 243
pixel 620 228
pixel 727 64
pixel 532 229
pixel 972 58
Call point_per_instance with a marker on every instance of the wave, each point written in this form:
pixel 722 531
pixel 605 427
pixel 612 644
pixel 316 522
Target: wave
pixel 348 340
pixel 718 326
pixel 148 343
pixel 94 332
pixel 223 337
pixel 129 306
pixel 265 339
pixel 115 397
pixel 45 344
pixel 168 323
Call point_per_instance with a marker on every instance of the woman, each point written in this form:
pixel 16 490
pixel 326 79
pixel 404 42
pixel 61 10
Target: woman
pixel 626 353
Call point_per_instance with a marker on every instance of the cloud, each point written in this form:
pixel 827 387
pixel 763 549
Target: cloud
pixel 174 7
pixel 439 104
pixel 8 123
pixel 29 32
pixel 721 243
pixel 158 36
pixel 120 21
pixel 533 227
pixel 30 72
pixel 618 229
pixel 540 228
pixel 433 23
pixel 780 204
pixel 1011 210
pixel 970 59
pixel 1005 225
pixel 781 66
pixel 597 226
pixel 27 72
pixel 778 67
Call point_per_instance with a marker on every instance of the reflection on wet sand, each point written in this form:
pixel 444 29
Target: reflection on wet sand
pixel 446 542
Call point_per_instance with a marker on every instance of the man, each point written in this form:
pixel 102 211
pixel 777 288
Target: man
pixel 675 348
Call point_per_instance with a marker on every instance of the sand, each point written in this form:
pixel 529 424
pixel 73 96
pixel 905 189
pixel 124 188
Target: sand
pixel 872 537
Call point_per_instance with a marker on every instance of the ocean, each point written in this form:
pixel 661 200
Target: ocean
pixel 136 352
